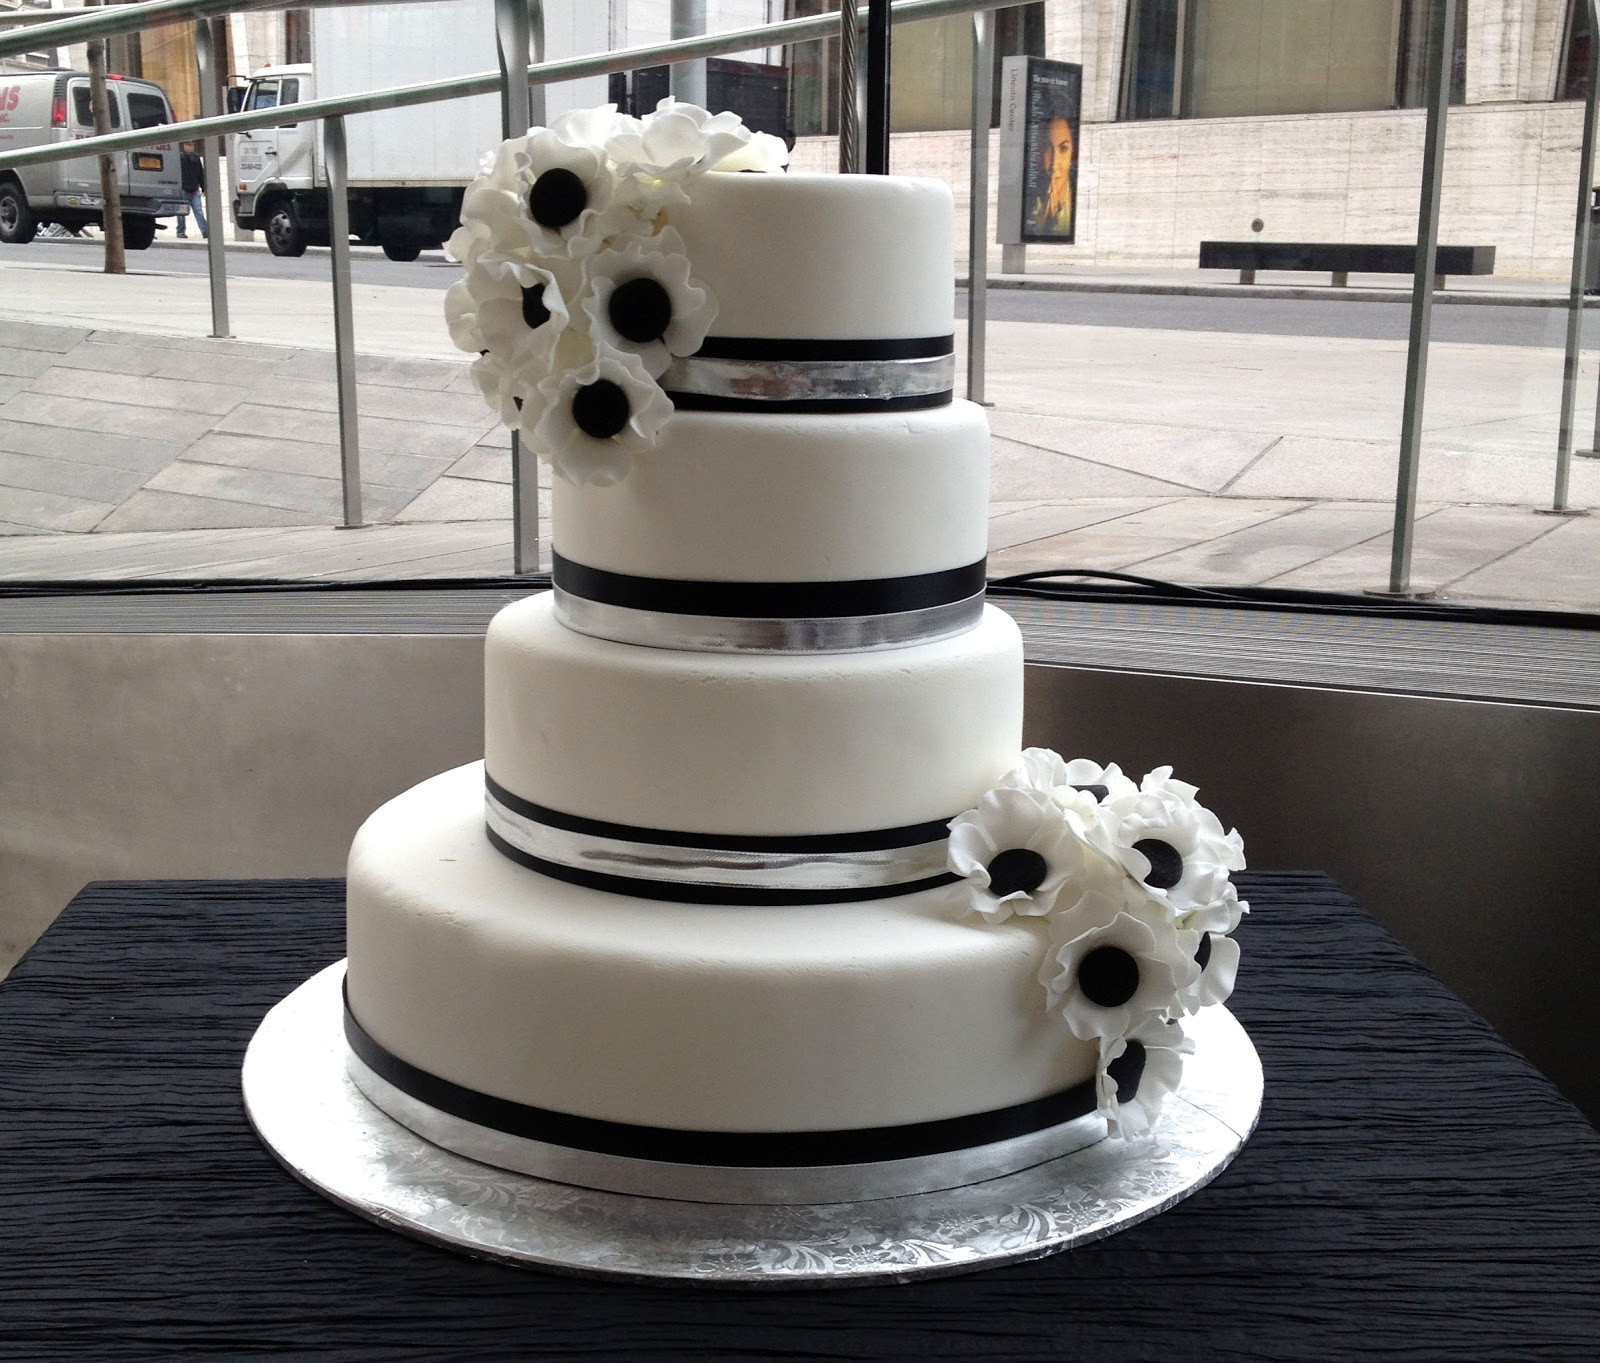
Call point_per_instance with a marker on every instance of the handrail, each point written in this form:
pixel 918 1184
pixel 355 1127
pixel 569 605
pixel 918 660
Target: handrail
pixel 488 82
pixel 49 29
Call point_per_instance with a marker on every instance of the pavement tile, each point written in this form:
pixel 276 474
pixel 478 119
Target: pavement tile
pixel 10 386
pixel 497 437
pixel 377 552
pixel 139 390
pixel 487 465
pixel 90 482
pixel 1447 543
pixel 85 447
pixel 25 363
pixel 1181 456
pixel 112 357
pixel 82 415
pixel 1011 527
pixel 1561 569
pixel 41 335
pixel 449 409
pixel 460 499
pixel 228 346
pixel 8 528
pixel 278 455
pixel 1261 552
pixel 153 509
pixel 50 510
pixel 384 371
pixel 1017 471
pixel 319 498
pixel 423 438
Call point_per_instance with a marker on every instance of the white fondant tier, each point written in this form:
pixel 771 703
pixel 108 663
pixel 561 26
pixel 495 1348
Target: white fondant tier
pixel 788 744
pixel 689 1017
pixel 785 497
pixel 875 254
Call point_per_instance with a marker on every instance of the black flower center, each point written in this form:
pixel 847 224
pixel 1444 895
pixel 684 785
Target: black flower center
pixel 600 409
pixel 1108 976
pixel 1097 790
pixel 1166 863
pixel 640 310
pixel 1203 952
pixel 1126 1071
pixel 534 312
pixel 557 197
pixel 1017 869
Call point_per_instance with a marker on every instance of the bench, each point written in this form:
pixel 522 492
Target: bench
pixel 1340 259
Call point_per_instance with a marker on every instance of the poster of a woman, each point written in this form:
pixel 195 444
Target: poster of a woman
pixel 1053 100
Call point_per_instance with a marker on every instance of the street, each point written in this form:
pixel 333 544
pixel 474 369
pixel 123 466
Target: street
pixel 1355 318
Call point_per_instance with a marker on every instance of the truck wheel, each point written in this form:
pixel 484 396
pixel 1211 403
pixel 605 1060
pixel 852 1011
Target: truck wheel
pixel 285 236
pixel 18 226
pixel 401 245
pixel 138 233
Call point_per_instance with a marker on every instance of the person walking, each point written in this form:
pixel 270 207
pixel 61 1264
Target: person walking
pixel 193 178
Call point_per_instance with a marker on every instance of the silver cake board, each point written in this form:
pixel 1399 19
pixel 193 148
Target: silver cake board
pixel 312 1117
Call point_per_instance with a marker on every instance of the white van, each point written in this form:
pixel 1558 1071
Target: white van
pixel 43 107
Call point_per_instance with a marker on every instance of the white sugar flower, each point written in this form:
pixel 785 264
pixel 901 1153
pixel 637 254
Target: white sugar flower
pixel 1016 851
pixel 592 127
pixel 499 385
pixel 594 419
pixel 1137 1072
pixel 1103 783
pixel 1132 964
pixel 1172 844
pixel 663 150
pixel 641 299
pixel 564 197
pixel 763 152
pixel 512 308
pixel 1218 959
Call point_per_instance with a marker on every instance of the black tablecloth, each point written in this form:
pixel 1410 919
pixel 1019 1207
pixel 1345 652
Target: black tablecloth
pixel 1415 1188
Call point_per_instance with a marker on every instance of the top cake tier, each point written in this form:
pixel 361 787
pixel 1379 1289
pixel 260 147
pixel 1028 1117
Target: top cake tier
pixel 827 257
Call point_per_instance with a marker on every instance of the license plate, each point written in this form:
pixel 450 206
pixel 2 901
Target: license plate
pixel 146 161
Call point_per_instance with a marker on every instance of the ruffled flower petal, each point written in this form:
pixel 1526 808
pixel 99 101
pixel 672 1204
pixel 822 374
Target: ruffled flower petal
pixel 1015 851
pixel 595 420
pixel 763 152
pixel 1172 844
pixel 1138 1070
pixel 1218 959
pixel 640 299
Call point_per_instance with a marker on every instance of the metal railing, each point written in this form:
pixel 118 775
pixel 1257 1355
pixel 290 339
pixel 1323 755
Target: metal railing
pixel 510 79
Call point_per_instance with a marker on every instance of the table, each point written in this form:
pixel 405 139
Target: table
pixel 1415 1189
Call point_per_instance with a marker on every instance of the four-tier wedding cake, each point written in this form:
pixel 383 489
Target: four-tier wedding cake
pixel 756 897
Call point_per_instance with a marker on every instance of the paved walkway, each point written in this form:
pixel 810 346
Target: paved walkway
pixel 133 445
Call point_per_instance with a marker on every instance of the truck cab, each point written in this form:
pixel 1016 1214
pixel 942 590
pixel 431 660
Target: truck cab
pixel 278 173
pixel 39 108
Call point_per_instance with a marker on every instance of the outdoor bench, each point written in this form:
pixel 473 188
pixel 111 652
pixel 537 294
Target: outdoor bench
pixel 1341 258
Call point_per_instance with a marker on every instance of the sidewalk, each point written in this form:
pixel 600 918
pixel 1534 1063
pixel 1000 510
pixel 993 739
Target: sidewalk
pixel 132 444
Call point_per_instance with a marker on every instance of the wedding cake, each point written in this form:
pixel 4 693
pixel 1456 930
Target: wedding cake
pixel 755 896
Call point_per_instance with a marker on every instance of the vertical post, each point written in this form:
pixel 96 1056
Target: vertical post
pixel 1580 271
pixel 849 110
pixel 205 52
pixel 875 153
pixel 978 214
pixel 519 34
pixel 334 157
pixel 689 78
pixel 1440 44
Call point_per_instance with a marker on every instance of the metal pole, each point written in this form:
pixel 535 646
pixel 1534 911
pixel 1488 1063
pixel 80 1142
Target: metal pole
pixel 517 24
pixel 1580 270
pixel 978 214
pixel 205 52
pixel 344 348
pixel 689 78
pixel 849 110
pixel 1405 499
pixel 875 155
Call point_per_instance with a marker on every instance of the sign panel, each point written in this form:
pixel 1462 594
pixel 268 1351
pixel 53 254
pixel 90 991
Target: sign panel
pixel 1040 105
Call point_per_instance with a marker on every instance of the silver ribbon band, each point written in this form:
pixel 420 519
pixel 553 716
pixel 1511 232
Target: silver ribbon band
pixel 810 1184
pixel 766 634
pixel 821 381
pixel 756 871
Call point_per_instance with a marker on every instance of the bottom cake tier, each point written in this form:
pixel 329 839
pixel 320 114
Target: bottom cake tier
pixel 725 1053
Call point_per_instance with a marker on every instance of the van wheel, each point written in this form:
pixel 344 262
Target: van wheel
pixel 18 226
pixel 401 245
pixel 138 233
pixel 285 236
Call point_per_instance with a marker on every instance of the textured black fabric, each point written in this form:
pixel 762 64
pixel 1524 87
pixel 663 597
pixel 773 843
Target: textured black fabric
pixel 1415 1190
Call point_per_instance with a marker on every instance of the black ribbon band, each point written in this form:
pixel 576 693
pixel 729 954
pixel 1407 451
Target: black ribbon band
pixel 714 402
pixel 729 1149
pixel 770 600
pixel 763 348
pixel 797 844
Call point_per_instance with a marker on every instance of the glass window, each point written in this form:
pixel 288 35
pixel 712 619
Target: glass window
pixel 1574 79
pixel 146 110
pixel 1225 58
pixel 289 90
pixel 83 112
pixel 263 95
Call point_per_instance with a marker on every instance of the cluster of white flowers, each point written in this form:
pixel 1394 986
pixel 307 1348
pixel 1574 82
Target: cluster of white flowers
pixel 1132 882
pixel 578 293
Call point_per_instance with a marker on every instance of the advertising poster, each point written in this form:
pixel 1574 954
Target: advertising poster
pixel 1041 104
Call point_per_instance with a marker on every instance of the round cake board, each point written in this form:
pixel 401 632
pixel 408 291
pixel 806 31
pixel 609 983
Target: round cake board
pixel 326 1133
